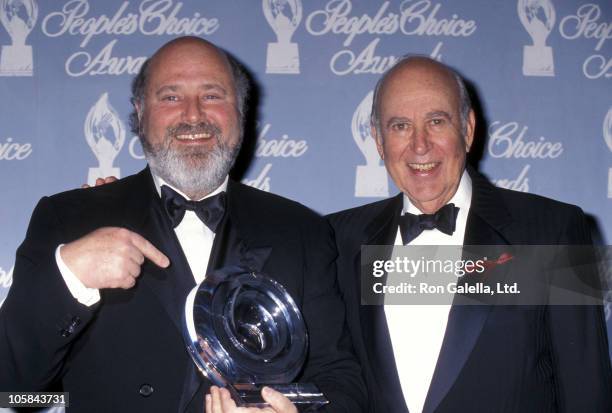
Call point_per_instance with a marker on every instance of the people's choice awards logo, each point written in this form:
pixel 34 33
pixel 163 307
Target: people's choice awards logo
pixel 18 18
pixel 510 140
pixel 268 147
pixel 105 135
pixel 589 23
pixel 136 18
pixel 423 18
pixel 371 178
pixel 538 18
pixel 14 151
pixel 607 134
pixel 283 16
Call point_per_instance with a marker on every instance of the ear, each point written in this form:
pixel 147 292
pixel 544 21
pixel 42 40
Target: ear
pixel 469 130
pixel 138 107
pixel 378 138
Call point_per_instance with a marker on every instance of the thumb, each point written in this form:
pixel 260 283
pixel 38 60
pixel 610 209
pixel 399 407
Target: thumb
pixel 278 401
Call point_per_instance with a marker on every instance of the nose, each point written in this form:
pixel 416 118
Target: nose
pixel 421 143
pixel 193 111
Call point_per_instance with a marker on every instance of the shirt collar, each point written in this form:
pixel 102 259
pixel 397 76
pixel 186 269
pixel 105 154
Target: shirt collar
pixel 159 181
pixel 462 198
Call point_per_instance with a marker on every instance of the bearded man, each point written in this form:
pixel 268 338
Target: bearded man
pixel 101 279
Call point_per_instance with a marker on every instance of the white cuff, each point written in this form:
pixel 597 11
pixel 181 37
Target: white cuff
pixel 84 295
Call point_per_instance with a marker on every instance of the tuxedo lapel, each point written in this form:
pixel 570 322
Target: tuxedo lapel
pixel 487 224
pixel 239 244
pixel 170 285
pixel 489 221
pixel 381 231
pixel 225 239
pixel 232 249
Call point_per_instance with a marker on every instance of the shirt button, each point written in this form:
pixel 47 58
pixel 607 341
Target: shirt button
pixel 146 390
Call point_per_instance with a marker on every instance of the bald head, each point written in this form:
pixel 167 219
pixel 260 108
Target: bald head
pixel 172 53
pixel 424 70
pixel 423 128
pixel 188 45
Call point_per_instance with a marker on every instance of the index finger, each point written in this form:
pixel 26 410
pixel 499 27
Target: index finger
pixel 148 250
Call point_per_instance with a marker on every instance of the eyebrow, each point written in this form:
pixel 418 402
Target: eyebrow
pixel 213 86
pixel 428 115
pixel 437 113
pixel 397 119
pixel 204 87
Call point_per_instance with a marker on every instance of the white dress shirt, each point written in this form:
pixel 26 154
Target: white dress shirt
pixel 195 238
pixel 417 331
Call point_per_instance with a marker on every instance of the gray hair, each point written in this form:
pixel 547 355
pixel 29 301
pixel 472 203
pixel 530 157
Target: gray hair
pixel 239 75
pixel 465 104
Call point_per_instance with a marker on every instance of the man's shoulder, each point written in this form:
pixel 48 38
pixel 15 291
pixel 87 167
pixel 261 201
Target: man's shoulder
pixel 535 219
pixel 113 188
pixel 76 212
pixel 270 206
pixel 360 215
pixel 526 205
pixel 104 198
pixel 521 206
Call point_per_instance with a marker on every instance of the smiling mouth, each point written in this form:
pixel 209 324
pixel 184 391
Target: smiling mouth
pixel 423 167
pixel 192 136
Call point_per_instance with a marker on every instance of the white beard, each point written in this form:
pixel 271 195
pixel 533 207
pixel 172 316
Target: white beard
pixel 194 171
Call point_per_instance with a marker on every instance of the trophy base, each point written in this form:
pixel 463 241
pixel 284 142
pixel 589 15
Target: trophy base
pixel 95 173
pixel 371 181
pixel 306 396
pixel 16 61
pixel 538 61
pixel 283 58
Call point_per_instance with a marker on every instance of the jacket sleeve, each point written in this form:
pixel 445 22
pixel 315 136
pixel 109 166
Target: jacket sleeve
pixel 331 363
pixel 39 318
pixel 581 362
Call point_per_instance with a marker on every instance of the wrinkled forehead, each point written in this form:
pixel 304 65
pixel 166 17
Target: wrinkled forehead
pixel 189 53
pixel 416 80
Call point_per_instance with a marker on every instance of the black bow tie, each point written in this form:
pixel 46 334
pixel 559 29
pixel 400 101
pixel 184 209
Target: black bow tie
pixel 210 210
pixel 444 219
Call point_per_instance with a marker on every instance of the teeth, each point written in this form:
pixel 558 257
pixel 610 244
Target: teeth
pixel 193 136
pixel 422 166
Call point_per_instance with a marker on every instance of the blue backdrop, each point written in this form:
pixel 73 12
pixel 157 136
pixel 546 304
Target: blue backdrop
pixel 541 70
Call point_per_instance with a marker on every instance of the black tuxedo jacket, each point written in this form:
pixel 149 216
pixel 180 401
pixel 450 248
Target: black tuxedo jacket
pixel 126 353
pixel 493 358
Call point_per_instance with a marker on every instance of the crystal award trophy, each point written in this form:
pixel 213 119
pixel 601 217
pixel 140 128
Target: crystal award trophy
pixel 244 331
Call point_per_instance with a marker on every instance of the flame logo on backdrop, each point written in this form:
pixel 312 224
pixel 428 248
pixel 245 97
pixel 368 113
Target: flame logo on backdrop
pixel 6 280
pixel 18 18
pixel 538 18
pixel 607 129
pixel 105 135
pixel 371 178
pixel 284 17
